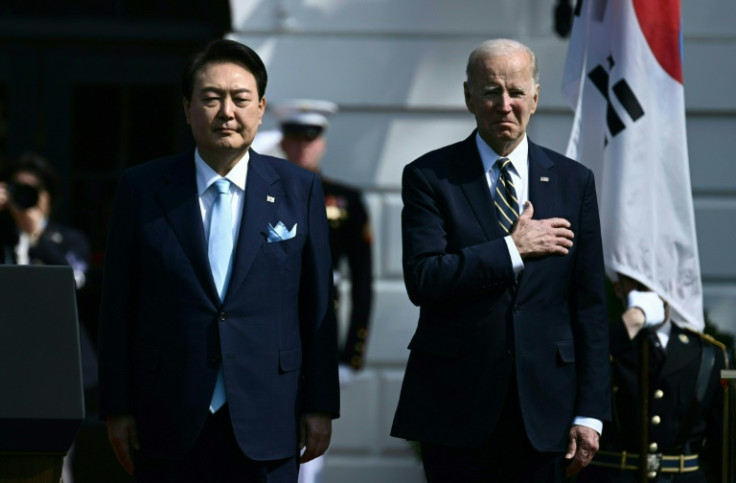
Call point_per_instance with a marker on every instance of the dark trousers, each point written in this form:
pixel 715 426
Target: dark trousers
pixel 507 457
pixel 215 458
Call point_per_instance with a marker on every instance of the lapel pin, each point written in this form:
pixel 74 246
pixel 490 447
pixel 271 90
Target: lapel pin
pixel 544 179
pixel 270 198
pixel 684 338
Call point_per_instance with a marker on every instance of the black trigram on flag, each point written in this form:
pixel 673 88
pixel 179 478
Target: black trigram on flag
pixel 623 93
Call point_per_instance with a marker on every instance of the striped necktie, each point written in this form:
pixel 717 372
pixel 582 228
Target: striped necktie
pixel 504 198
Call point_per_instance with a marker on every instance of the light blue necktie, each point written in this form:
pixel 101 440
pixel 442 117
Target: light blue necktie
pixel 220 250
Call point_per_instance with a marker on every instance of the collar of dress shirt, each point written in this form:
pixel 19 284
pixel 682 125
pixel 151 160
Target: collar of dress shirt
pixel 519 157
pixel 663 333
pixel 206 175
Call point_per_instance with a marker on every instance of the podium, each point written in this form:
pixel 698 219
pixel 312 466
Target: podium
pixel 42 402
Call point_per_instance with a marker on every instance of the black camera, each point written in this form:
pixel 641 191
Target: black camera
pixel 24 195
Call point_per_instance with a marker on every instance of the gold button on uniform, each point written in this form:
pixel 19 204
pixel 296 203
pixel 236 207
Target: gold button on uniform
pixel 652 475
pixel 656 420
pixel 658 394
pixel 653 447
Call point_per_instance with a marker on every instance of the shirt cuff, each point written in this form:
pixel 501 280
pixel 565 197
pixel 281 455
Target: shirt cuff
pixel 591 423
pixel 516 262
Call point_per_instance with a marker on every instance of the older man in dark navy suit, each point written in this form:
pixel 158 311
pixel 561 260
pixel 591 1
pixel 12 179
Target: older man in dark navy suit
pixel 217 349
pixel 508 368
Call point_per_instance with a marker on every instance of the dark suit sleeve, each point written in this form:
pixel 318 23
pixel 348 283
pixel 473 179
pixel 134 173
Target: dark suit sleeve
pixel 321 391
pixel 115 308
pixel 434 270
pixel 588 311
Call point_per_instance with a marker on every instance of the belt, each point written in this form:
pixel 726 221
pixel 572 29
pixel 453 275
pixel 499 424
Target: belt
pixel 655 461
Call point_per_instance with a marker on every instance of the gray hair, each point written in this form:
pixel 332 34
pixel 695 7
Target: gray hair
pixel 500 48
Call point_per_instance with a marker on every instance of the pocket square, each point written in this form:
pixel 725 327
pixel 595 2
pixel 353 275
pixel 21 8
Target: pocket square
pixel 280 233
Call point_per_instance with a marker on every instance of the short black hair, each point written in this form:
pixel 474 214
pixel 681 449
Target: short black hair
pixel 224 50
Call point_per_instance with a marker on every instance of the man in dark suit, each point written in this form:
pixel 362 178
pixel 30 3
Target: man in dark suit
pixel 508 367
pixel 28 235
pixel 217 353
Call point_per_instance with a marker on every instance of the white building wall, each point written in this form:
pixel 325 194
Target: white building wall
pixel 396 68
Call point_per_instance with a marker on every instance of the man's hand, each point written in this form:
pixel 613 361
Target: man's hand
pixel 581 449
pixel 122 433
pixel 315 434
pixel 536 238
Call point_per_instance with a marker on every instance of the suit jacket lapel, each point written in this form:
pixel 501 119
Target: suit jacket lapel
pixel 470 177
pixel 180 200
pixel 263 193
pixel 543 193
pixel 543 184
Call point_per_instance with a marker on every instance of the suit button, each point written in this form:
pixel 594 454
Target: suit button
pixel 656 420
pixel 658 394
pixel 222 316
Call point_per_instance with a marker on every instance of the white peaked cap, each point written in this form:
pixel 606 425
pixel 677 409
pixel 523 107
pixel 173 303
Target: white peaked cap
pixel 307 112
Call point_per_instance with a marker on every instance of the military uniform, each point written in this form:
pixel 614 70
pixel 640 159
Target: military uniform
pixel 685 410
pixel 351 240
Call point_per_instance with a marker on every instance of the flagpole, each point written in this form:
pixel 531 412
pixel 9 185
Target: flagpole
pixel 644 405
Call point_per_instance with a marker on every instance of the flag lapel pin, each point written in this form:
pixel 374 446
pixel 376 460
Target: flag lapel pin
pixel 270 198
pixel 544 179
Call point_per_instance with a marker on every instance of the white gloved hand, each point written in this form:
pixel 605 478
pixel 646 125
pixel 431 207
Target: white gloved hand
pixel 650 304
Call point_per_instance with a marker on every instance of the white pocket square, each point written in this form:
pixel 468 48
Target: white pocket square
pixel 280 233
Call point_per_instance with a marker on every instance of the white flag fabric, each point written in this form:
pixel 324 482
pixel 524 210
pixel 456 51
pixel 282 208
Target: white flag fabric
pixel 623 78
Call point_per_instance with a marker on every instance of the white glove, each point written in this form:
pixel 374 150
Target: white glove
pixel 650 304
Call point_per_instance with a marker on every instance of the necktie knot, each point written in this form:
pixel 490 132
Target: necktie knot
pixel 222 186
pixel 502 164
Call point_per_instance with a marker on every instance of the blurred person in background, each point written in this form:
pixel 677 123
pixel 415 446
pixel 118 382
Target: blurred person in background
pixel 685 400
pixel 301 138
pixel 28 190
